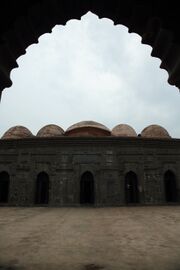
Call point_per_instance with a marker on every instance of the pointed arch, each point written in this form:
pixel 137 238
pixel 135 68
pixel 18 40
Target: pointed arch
pixel 4 187
pixel 170 186
pixel 87 188
pixel 131 188
pixel 42 188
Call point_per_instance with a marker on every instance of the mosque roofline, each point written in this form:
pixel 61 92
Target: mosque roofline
pixel 87 129
pixel 64 141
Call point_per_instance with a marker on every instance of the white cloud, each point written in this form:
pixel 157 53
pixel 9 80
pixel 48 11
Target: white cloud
pixel 89 70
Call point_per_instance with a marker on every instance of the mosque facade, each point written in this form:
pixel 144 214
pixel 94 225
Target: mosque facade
pixel 89 164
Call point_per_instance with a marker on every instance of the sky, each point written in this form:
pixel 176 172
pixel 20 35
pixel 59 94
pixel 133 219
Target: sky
pixel 90 69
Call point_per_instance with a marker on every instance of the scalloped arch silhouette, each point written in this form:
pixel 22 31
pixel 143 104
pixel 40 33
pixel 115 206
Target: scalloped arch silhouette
pixel 151 20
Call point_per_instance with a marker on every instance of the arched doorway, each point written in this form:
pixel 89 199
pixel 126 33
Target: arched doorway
pixel 42 188
pixel 170 187
pixel 4 187
pixel 87 188
pixel 131 188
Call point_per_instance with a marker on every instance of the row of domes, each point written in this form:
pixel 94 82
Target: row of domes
pixel 87 128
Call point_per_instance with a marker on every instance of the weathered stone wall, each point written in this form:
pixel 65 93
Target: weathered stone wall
pixel 108 159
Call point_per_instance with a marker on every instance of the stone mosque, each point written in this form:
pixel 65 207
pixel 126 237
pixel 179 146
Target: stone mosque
pixel 89 164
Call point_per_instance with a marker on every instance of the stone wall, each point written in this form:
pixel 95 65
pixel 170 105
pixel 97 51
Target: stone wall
pixel 108 159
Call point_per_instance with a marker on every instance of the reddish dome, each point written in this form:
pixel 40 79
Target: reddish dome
pixel 50 131
pixel 17 132
pixel 155 131
pixel 88 128
pixel 123 130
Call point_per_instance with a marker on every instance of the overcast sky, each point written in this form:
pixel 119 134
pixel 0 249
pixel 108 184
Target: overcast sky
pixel 90 70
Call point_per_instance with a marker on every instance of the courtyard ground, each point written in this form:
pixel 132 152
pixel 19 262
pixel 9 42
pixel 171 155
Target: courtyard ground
pixel 117 238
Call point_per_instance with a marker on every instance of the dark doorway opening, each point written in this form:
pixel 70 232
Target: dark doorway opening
pixel 131 188
pixel 170 187
pixel 4 187
pixel 87 188
pixel 42 188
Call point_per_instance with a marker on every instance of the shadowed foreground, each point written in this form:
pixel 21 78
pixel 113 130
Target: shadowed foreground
pixel 143 238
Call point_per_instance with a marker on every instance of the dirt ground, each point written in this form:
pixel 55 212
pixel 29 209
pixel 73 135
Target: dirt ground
pixel 122 238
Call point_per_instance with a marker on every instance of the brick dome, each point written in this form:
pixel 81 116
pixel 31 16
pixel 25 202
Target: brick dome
pixel 17 132
pixel 123 130
pixel 155 131
pixel 88 128
pixel 50 131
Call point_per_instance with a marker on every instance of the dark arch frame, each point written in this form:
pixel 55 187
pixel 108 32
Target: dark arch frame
pixel 42 188
pixel 170 187
pixel 131 188
pixel 4 187
pixel 87 190
pixel 22 23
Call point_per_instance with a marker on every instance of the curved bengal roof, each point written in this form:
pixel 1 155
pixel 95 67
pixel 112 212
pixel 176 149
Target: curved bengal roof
pixel 155 131
pixel 88 128
pixel 17 132
pixel 123 130
pixel 50 130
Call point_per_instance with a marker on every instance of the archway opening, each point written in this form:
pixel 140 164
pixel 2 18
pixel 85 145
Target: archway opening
pixel 170 187
pixel 42 188
pixel 131 188
pixel 4 187
pixel 87 188
pixel 85 61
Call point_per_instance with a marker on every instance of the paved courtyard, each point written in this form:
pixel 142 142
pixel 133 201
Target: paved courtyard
pixel 132 238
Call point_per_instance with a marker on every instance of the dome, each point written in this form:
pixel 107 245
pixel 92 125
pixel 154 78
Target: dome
pixel 123 130
pixel 155 131
pixel 50 131
pixel 88 128
pixel 17 132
